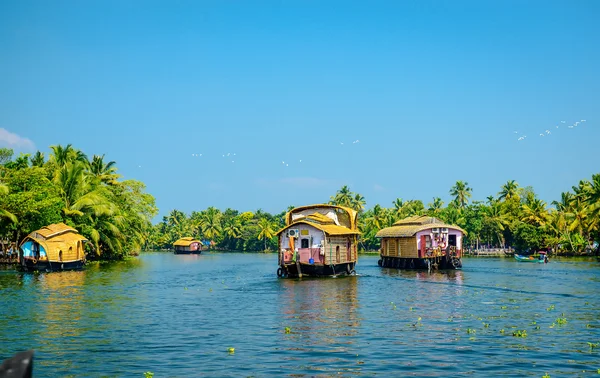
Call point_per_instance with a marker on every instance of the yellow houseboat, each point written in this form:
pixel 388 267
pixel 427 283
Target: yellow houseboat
pixel 54 247
pixel 187 246
pixel 318 240
pixel 421 242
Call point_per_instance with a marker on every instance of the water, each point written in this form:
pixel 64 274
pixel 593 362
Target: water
pixel 176 316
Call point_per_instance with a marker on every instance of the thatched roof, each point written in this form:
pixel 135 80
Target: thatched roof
pixel 350 213
pixel 53 230
pixel 408 227
pixel 329 229
pixel 56 237
pixel 185 242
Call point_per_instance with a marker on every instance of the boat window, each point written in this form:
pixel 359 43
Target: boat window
pixel 303 243
pixel 427 241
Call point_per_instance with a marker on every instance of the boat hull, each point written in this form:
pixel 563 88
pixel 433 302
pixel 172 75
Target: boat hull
pixel 441 263
pixel 316 270
pixel 520 258
pixel 198 252
pixel 28 265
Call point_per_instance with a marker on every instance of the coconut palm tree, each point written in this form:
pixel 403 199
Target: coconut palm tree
pixel 105 172
pixel 265 227
pixel 210 221
pixel 79 195
pixel 435 207
pixel 343 197
pixel 535 212
pixel 461 193
pixel 67 154
pixel 358 203
pixel 509 190
pixel 5 213
pixel 37 160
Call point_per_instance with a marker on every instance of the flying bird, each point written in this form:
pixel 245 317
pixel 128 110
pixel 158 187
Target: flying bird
pixel 547 131
pixel 583 120
pixel 542 134
pixel 562 121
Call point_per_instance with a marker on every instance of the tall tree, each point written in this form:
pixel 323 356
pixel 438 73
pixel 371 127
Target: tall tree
pixel 509 190
pixel 461 193
pixel 266 231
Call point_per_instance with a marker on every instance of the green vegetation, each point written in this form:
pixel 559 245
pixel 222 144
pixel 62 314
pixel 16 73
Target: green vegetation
pixel 84 193
pixel 115 215
pixel 514 218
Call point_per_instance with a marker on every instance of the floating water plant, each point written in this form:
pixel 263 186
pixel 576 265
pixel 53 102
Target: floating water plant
pixel 470 331
pixel 546 375
pixel 504 307
pixel 231 350
pixel 148 374
pixel 550 308
pixel 502 331
pixel 561 321
pixel 288 330
pixel 593 345
pixel 486 325
pixel 520 333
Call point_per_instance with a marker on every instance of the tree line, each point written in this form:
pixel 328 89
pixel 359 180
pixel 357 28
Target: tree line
pixel 115 214
pixel 513 218
pixel 85 193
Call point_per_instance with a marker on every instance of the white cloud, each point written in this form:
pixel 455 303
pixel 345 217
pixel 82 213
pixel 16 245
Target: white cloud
pixel 14 141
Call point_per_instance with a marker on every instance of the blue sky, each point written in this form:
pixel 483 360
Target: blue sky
pixel 433 91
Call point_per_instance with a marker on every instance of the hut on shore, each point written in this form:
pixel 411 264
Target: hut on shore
pixel 318 240
pixel 187 246
pixel 51 248
pixel 421 242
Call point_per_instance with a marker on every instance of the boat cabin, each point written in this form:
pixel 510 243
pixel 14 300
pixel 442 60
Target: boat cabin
pixel 187 246
pixel 51 248
pixel 318 240
pixel 421 242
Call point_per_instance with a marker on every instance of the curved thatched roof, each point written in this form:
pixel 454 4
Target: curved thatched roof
pixel 410 226
pixel 185 242
pixel 56 237
pixel 329 229
pixel 350 213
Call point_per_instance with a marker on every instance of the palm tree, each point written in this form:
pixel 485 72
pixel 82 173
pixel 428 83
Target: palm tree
pixel 233 228
pixel 5 213
pixel 78 193
pixel 400 208
pixel 358 202
pixel 435 207
pixel 461 193
pixel 63 155
pixel 265 227
pixel 105 172
pixel 343 197
pixel 535 212
pixel 37 160
pixel 495 220
pixel 210 221
pixel 509 190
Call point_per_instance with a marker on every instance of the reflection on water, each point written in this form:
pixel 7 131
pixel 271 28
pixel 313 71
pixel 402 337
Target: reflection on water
pixel 178 315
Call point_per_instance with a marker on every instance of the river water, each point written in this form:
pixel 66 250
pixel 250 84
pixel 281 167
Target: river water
pixel 177 316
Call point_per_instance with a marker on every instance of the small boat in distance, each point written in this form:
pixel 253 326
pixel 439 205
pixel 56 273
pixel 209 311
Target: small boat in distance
pixel 51 248
pixel 421 242
pixel 542 258
pixel 188 246
pixel 318 240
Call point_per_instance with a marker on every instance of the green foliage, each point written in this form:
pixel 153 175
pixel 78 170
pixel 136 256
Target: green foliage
pixel 115 216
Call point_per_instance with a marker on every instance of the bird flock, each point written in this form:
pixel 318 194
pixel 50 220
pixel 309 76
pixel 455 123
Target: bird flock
pixel 231 155
pixel 548 132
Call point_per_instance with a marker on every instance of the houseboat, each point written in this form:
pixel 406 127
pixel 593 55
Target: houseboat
pixel 188 246
pixel 318 240
pixel 421 242
pixel 51 248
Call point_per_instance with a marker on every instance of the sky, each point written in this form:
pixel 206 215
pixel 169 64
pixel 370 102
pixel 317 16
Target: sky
pixel 267 104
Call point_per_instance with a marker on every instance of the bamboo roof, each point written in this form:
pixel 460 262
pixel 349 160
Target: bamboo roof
pixel 329 229
pixel 185 242
pixel 408 227
pixel 56 237
pixel 53 230
pixel 352 214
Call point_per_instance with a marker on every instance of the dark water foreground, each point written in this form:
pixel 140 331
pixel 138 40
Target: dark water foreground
pixel 176 316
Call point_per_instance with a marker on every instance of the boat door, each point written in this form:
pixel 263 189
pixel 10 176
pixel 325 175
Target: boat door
pixel 452 240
